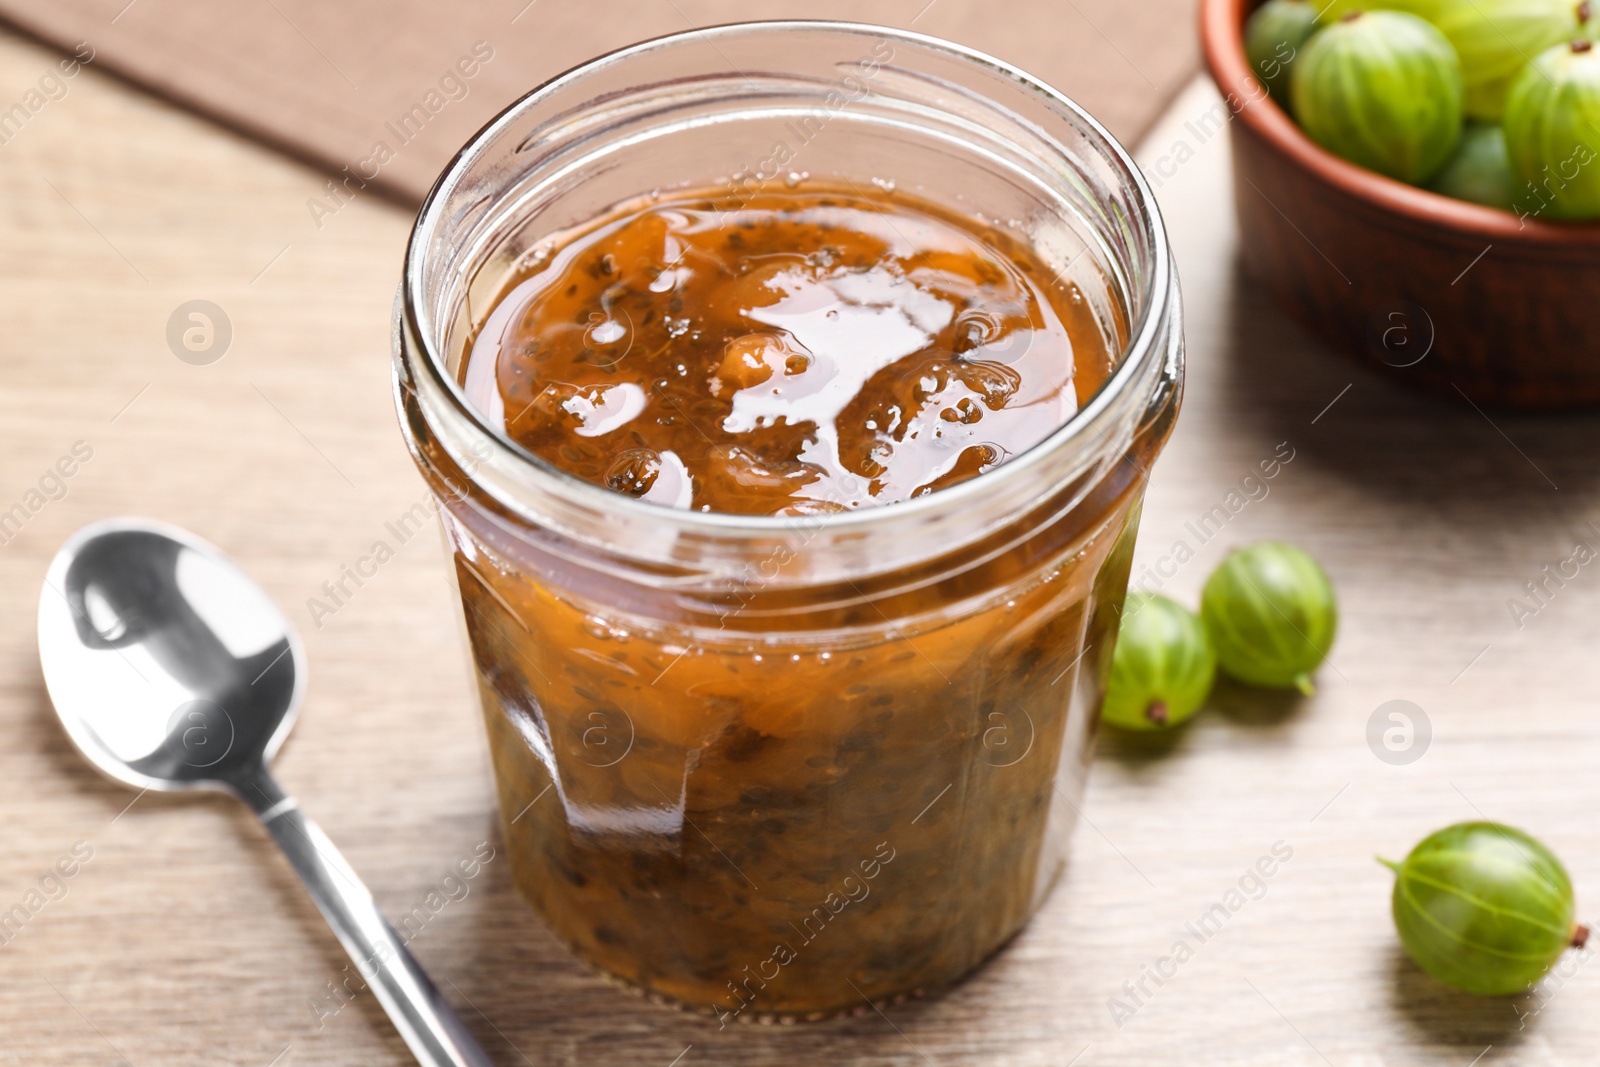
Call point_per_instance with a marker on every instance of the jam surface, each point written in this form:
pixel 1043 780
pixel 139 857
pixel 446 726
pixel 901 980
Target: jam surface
pixel 788 352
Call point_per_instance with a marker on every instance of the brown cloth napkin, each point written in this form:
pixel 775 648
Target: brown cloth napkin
pixel 325 81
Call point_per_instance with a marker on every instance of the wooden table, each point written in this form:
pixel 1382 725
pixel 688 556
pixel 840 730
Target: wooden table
pixel 184 939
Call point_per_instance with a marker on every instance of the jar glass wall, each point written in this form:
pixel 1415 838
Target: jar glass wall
pixel 777 767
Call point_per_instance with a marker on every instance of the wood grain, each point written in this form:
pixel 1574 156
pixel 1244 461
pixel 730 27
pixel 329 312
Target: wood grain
pixel 185 941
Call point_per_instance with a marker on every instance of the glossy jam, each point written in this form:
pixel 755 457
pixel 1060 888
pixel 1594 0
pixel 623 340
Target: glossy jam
pixel 794 352
pixel 777 800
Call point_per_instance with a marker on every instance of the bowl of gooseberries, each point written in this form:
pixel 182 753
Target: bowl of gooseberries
pixel 1418 182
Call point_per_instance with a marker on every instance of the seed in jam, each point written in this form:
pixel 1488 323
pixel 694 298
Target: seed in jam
pixel 789 352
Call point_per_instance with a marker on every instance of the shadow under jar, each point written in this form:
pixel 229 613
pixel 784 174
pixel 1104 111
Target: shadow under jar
pixel 782 765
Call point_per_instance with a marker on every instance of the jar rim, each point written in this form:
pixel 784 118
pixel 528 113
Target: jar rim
pixel 1143 347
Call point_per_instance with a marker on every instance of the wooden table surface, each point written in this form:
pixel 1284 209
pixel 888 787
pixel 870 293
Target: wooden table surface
pixel 183 938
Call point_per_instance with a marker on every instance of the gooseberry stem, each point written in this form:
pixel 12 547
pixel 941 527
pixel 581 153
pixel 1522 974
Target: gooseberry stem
pixel 1391 864
pixel 1580 936
pixel 1302 682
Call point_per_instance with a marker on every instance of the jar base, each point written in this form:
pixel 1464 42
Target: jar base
pixel 773 1018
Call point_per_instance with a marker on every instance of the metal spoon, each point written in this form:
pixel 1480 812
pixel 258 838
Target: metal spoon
pixel 171 670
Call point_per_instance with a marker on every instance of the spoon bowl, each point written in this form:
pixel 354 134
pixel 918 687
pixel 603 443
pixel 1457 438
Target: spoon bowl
pixel 169 667
pixel 172 670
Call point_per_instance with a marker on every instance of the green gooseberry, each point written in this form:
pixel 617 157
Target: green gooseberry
pixel 1495 39
pixel 1552 125
pixel 1480 171
pixel 1271 614
pixel 1162 665
pixel 1381 89
pixel 1484 907
pixel 1423 9
pixel 1273 36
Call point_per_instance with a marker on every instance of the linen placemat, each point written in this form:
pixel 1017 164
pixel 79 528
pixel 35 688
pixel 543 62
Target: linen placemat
pixel 327 81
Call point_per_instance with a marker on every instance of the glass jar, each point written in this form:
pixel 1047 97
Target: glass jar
pixel 777 768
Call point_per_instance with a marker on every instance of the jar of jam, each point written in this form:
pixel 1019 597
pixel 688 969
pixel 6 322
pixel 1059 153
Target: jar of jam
pixel 789 391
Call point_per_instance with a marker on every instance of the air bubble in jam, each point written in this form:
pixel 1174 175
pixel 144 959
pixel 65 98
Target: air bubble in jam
pixel 777 345
pixel 601 630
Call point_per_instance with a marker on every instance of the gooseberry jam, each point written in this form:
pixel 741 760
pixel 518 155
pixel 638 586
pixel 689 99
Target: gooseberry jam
pixel 791 504
pixel 791 352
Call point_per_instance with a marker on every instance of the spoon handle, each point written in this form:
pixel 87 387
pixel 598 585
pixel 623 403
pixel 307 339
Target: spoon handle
pixel 430 1027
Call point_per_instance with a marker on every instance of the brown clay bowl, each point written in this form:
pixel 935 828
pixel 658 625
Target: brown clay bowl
pixel 1435 292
